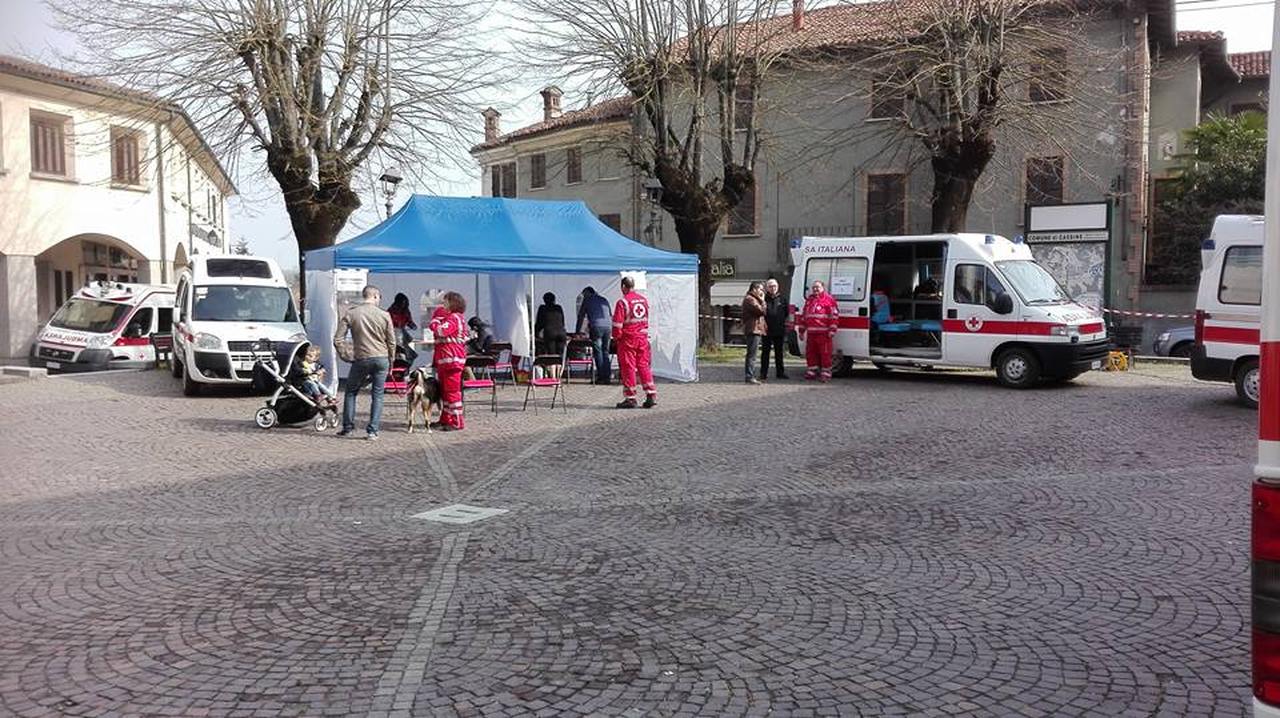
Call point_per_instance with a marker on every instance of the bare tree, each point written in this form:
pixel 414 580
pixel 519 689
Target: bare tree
pixel 323 88
pixel 965 81
pixel 694 69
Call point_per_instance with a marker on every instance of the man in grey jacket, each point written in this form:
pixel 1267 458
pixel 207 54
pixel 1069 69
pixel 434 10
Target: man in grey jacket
pixel 373 342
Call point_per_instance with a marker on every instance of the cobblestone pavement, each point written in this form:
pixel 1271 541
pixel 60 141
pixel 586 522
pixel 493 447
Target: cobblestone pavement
pixel 913 544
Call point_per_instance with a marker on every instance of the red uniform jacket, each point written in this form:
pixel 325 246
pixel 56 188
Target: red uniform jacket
pixel 821 315
pixel 631 319
pixel 450 331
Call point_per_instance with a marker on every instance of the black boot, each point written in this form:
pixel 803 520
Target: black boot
pixel 627 404
pixel 650 401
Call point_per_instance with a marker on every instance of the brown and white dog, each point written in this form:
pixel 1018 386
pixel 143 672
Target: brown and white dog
pixel 423 394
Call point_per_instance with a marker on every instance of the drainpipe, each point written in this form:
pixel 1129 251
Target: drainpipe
pixel 164 239
pixel 190 210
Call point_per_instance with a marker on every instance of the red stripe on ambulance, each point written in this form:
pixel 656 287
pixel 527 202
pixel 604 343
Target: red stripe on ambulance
pixel 1231 335
pixel 987 326
pixel 1269 400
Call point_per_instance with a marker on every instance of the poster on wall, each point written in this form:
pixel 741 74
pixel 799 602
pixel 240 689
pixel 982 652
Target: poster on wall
pixel 1071 242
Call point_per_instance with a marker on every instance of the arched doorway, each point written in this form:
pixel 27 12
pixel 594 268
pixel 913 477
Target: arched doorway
pixel 66 266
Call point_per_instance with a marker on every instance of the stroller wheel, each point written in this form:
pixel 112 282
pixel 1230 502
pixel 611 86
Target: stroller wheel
pixel 265 418
pixel 321 422
pixel 333 419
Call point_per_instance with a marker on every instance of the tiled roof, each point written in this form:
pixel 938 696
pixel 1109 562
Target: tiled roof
pixel 1251 64
pixel 10 65
pixel 1213 52
pixel 617 108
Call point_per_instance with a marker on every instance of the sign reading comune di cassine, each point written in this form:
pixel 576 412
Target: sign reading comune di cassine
pixel 1094 235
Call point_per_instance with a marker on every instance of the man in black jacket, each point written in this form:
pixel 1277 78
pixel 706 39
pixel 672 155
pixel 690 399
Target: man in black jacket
pixel 775 317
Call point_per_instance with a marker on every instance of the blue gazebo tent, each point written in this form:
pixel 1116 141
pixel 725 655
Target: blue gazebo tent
pixel 502 255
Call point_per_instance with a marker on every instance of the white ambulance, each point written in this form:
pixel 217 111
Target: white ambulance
pixel 1228 305
pixel 225 306
pixel 960 300
pixel 106 325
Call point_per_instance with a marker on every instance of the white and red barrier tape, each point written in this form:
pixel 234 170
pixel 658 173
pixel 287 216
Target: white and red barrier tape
pixel 1121 312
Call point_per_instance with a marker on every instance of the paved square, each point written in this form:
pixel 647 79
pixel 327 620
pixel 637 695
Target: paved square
pixel 927 544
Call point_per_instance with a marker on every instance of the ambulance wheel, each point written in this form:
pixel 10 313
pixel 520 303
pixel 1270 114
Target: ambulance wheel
pixel 1248 383
pixel 189 386
pixel 265 418
pixel 321 422
pixel 843 367
pixel 1018 368
pixel 175 366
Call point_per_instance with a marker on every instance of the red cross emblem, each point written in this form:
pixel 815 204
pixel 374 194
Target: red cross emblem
pixel 973 324
pixel 638 310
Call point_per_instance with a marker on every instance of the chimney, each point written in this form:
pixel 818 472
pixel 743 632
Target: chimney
pixel 797 15
pixel 551 103
pixel 491 129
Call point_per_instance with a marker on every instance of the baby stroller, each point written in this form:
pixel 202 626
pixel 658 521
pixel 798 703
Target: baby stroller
pixel 288 403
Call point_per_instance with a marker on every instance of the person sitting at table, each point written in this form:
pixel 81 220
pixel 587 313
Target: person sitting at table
pixel 548 327
pixel 481 337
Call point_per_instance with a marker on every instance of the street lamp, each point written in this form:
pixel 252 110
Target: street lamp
pixel 653 195
pixel 389 181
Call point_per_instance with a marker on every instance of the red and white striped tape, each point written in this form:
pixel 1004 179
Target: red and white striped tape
pixel 1121 312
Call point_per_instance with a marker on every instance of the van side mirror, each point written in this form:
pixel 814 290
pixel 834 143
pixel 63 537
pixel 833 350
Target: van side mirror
pixel 1003 304
pixel 133 331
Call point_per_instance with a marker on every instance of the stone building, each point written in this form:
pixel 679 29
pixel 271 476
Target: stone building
pixel 826 173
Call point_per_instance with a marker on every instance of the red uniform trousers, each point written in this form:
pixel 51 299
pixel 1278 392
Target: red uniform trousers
pixel 450 377
pixel 633 358
pixel 817 355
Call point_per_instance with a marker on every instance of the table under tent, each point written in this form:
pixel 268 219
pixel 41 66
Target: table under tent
pixel 502 255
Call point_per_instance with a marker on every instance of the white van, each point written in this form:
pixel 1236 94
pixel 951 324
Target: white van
pixel 224 306
pixel 960 300
pixel 1228 305
pixel 106 325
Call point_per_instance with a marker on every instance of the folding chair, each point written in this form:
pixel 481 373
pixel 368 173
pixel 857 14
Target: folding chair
pixel 552 376
pixel 482 366
pixel 502 364
pixel 163 346
pixel 580 355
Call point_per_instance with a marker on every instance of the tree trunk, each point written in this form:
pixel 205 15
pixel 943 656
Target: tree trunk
pixel 317 216
pixel 697 237
pixel 955 174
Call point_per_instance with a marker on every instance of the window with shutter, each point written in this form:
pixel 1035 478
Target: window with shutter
pixel 1048 82
pixel 886 204
pixel 49 144
pixel 1044 180
pixel 538 171
pixel 613 221
pixel 573 165
pixel 509 179
pixel 742 218
pixel 125 167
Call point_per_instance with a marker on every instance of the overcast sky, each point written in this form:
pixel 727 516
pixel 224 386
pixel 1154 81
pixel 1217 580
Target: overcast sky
pixel 258 214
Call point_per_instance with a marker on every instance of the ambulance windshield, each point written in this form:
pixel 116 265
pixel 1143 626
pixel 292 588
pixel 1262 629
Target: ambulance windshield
pixel 1032 282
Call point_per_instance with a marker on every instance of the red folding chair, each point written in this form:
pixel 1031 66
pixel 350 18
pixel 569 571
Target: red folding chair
pixel 580 355
pixel 482 370
pixel 552 376
pixel 502 365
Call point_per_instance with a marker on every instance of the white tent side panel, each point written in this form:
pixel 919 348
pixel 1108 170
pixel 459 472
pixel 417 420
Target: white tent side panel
pixel 673 325
pixel 322 321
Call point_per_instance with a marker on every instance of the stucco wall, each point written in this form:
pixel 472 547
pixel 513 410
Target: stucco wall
pixel 1175 106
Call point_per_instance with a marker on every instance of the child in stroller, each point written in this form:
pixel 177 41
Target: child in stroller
pixel 289 402
pixel 313 378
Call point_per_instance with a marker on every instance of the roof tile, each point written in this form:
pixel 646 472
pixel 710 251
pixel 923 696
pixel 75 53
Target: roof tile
pixel 1251 64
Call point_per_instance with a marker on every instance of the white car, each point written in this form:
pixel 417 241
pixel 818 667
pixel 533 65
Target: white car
pixel 224 307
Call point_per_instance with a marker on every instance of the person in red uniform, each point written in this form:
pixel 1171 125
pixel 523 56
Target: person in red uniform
pixel 631 337
pixel 819 321
pixel 449 327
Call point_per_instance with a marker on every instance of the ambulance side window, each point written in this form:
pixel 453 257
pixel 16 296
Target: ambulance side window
pixel 975 284
pixel 164 325
pixel 140 324
pixel 181 302
pixel 1241 281
pixel 845 277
